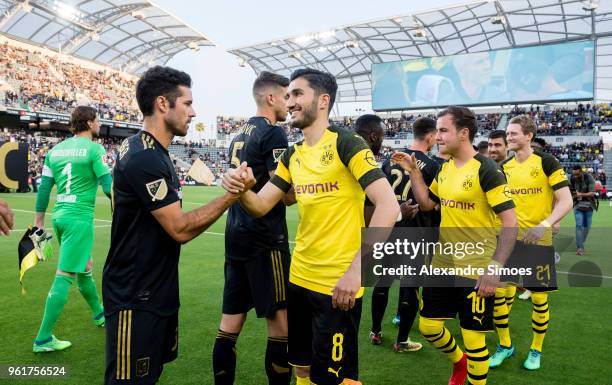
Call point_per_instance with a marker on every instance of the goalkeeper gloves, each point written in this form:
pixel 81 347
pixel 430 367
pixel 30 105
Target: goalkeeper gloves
pixel 42 243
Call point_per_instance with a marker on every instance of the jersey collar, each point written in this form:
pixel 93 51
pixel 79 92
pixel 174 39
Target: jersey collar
pixel 157 144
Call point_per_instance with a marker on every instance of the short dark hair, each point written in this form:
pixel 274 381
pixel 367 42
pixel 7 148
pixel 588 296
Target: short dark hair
pixel 268 79
pixel 159 81
pixel 577 167
pixel 79 118
pixel 367 123
pixel 463 117
pixel 483 145
pixel 321 82
pixel 526 123
pixel 540 141
pixel 496 134
pixel 423 126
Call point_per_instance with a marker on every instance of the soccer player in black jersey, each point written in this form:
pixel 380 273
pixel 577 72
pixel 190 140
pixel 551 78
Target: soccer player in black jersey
pixel 424 138
pixel 256 249
pixel 140 279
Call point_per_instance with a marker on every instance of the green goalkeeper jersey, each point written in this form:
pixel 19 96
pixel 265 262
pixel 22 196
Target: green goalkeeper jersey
pixel 75 166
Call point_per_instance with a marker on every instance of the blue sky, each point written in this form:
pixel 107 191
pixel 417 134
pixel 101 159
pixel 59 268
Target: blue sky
pixel 220 85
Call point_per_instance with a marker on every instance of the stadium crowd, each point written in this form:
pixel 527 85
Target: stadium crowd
pixel 36 81
pixel 585 119
pixel 397 127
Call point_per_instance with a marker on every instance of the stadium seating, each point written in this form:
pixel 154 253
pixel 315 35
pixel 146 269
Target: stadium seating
pixel 36 81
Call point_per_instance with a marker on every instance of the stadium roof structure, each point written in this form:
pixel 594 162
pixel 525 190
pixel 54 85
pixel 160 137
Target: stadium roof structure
pixel 129 35
pixel 349 51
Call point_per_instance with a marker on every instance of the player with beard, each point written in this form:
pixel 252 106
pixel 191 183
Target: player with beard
pixel 257 249
pixel 424 138
pixel 330 169
pixel 140 280
pixel 498 146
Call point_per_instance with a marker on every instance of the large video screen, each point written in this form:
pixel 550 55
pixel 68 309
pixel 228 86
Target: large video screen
pixel 545 73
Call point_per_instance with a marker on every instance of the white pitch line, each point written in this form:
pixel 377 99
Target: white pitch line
pixel 584 275
pixel 106 220
pixel 34 212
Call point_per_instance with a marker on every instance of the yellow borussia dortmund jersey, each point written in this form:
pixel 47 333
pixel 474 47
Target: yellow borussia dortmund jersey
pixel 532 184
pixel 329 180
pixel 469 198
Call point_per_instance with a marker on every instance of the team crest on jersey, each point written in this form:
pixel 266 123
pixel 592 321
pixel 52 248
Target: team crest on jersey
pixel 534 172
pixel 468 183
pixel 142 366
pixel 123 149
pixel 369 157
pixel 328 155
pixel 276 154
pixel 158 189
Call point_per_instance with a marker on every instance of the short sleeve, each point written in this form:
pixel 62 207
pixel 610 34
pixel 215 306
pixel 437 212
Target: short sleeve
pixel 430 171
pixel 357 156
pixel 46 170
pixel 554 171
pixel 493 183
pixel 97 160
pixel 273 146
pixel 282 175
pixel 433 188
pixel 151 180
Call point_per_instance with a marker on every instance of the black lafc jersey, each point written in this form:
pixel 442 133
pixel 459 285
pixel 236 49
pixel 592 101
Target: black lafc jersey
pixel 260 144
pixel 402 186
pixel 141 270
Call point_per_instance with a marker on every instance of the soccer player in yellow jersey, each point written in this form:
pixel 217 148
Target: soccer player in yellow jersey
pixel 535 179
pixel 330 170
pixel 471 191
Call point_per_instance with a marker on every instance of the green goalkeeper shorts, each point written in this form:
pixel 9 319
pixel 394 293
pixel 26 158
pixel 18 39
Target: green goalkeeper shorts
pixel 76 241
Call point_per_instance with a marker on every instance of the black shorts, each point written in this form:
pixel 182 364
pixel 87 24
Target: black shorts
pixel 446 302
pixel 258 282
pixel 138 344
pixel 322 337
pixel 540 260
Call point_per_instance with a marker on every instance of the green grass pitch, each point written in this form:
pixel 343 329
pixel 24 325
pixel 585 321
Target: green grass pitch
pixel 576 349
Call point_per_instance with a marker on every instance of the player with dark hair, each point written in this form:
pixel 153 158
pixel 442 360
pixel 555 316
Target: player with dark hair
pixel 498 146
pixel 140 279
pixel 330 169
pixel 483 148
pixel 77 167
pixel 467 212
pixel 257 249
pixel 424 130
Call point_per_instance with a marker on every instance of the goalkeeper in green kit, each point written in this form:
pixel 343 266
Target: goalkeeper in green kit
pixel 76 167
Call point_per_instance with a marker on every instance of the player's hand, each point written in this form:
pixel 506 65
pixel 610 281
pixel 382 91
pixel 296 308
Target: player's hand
pixel 249 179
pixel 7 218
pixel 343 294
pixel 556 227
pixel 487 284
pixel 234 179
pixel 533 235
pixel 405 161
pixel 409 211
